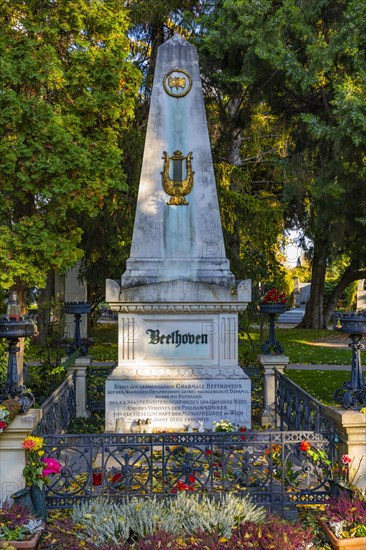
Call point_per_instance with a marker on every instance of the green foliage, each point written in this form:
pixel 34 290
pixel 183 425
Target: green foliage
pixel 347 300
pixel 301 65
pixel 93 425
pixel 68 91
pixel 191 514
pixel 3 361
pixel 105 347
pixel 185 514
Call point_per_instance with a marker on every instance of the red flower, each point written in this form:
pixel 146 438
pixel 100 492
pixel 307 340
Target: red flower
pixel 208 452
pixel 2 425
pixel 192 479
pixel 305 446
pixel 273 296
pixel 346 459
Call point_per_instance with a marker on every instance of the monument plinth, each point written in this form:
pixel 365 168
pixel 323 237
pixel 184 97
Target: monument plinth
pixel 177 302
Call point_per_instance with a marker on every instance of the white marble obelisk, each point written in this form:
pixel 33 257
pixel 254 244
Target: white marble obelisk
pixel 178 304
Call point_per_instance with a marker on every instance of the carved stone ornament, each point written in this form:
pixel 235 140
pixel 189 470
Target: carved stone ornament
pixel 177 83
pixel 178 308
pixel 179 373
pixel 177 187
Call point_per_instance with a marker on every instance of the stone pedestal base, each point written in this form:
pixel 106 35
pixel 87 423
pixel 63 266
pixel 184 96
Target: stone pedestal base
pixel 269 364
pixel 12 455
pixel 176 399
pixel 352 428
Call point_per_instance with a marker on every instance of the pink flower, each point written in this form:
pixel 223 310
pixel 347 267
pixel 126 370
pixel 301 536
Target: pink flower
pixel 346 459
pixel 2 425
pixel 53 467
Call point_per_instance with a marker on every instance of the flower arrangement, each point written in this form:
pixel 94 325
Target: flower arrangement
pixel 16 524
pixel 38 469
pixel 274 296
pixel 8 411
pixel 225 426
pixel 344 473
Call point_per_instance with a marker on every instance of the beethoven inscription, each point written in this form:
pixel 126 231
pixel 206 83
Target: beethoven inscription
pixel 175 338
pixel 178 403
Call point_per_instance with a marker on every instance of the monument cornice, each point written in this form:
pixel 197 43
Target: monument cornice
pixel 178 307
pixel 176 373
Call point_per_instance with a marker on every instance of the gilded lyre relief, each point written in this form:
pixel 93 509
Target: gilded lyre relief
pixel 177 187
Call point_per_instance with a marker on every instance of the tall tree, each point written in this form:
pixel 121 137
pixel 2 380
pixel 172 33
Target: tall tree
pixel 306 62
pixel 67 92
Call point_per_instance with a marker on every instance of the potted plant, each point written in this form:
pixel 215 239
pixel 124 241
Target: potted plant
pixel 344 521
pixel 18 529
pixel 343 478
pixel 36 474
pixel 274 301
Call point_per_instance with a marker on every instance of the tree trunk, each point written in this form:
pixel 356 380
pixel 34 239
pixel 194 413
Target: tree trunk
pixel 314 317
pixel 349 276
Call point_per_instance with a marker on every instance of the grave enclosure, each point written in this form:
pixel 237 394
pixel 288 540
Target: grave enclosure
pixel 177 301
pixel 178 306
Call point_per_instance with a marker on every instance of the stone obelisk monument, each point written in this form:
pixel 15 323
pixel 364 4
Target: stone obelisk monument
pixel 177 303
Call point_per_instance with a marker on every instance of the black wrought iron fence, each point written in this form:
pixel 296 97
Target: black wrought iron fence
pixel 273 467
pixel 298 410
pixel 59 409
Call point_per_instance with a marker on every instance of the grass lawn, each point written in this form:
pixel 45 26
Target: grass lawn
pixel 319 383
pixel 305 347
pixel 301 346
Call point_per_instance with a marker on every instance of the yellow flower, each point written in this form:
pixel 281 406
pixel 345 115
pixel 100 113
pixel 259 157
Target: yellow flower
pixel 363 410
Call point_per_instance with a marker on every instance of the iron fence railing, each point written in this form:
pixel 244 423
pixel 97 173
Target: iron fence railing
pixel 298 410
pixel 59 409
pixel 272 466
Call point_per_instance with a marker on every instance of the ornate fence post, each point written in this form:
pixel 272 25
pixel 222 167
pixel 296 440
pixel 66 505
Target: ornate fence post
pixel 12 455
pixel 81 366
pixel 269 364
